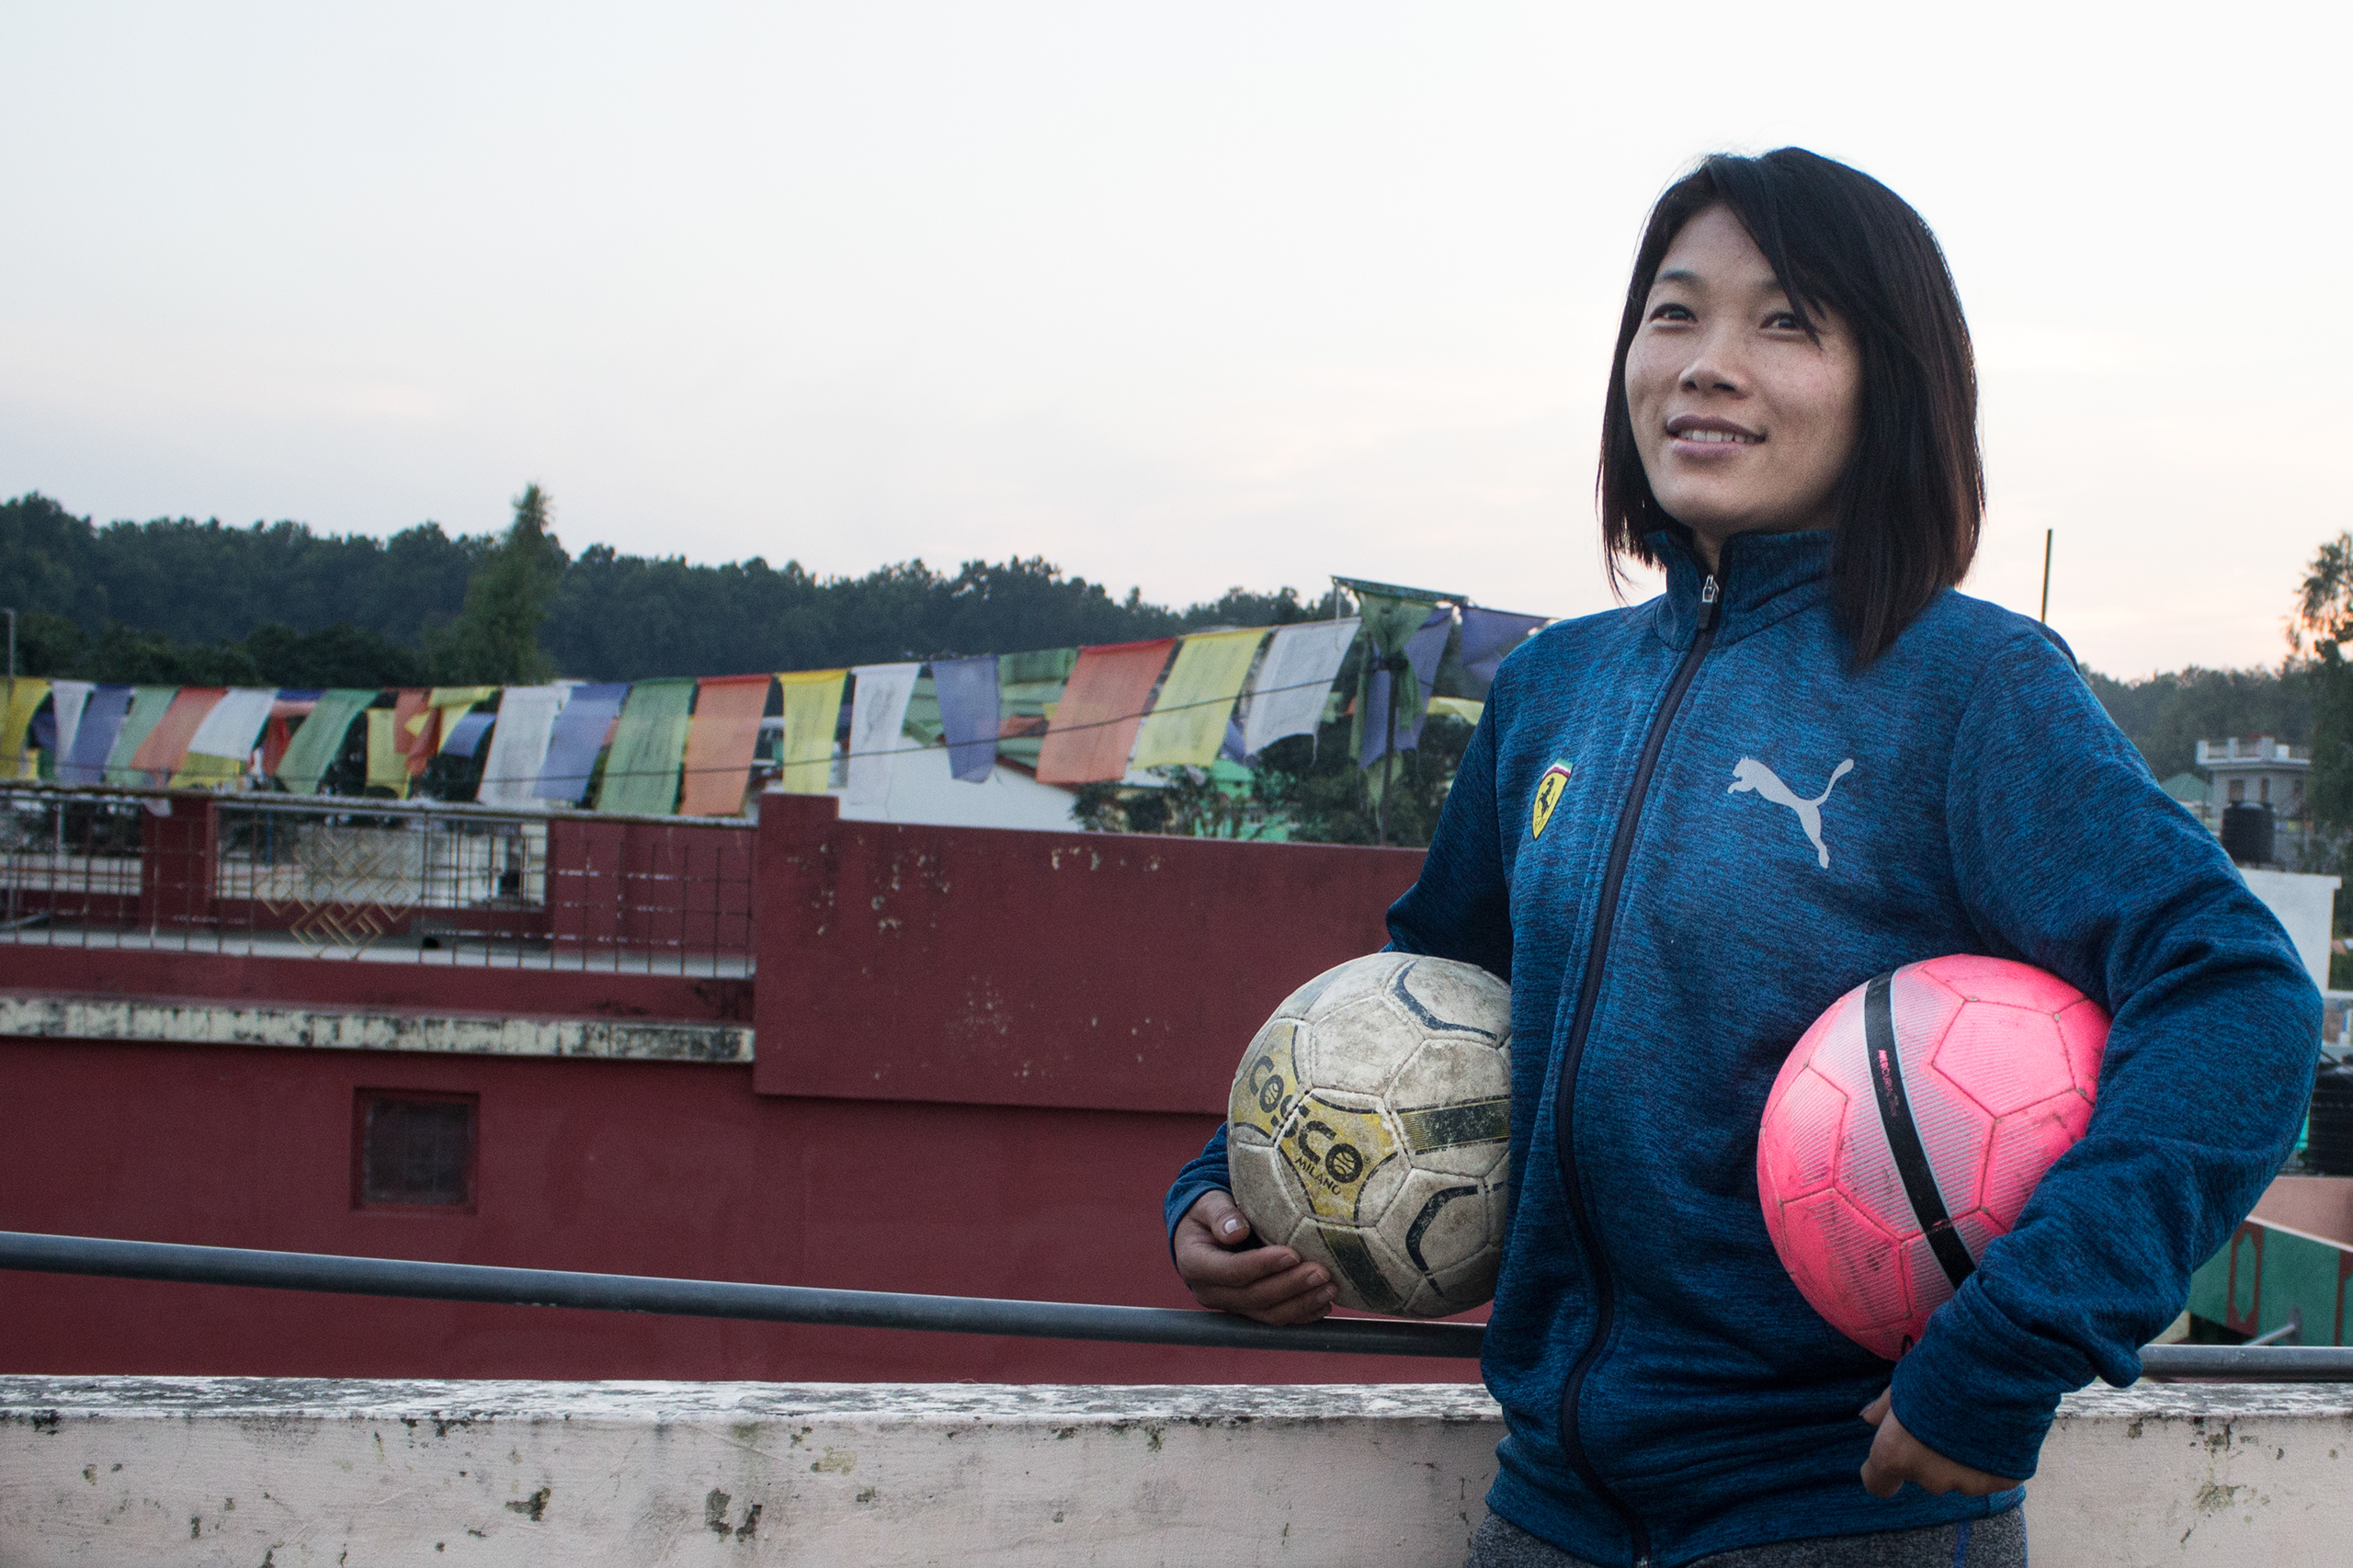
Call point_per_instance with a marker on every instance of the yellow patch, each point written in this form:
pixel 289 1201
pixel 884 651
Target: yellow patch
pixel 1266 1088
pixel 1335 1150
pixel 1547 795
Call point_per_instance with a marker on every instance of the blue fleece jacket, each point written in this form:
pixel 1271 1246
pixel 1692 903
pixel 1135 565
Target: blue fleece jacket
pixel 1668 1392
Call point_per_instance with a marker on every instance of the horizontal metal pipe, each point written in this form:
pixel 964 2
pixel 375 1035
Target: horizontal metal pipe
pixel 24 1250
pixel 2249 1363
pixel 31 1251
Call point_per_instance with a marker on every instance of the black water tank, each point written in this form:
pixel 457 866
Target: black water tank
pixel 2246 834
pixel 2328 1137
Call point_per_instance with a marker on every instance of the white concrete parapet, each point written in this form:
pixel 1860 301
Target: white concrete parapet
pixel 294 1472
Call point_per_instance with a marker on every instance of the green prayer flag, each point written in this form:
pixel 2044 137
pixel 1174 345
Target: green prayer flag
pixel 319 741
pixel 1390 622
pixel 649 749
pixel 148 705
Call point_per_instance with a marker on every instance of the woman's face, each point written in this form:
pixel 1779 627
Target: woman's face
pixel 1744 421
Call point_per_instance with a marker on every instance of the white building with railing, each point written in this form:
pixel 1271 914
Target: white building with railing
pixel 2257 770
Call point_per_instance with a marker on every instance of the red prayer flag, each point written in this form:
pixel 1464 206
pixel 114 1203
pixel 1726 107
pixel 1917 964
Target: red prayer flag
pixel 1093 727
pixel 419 745
pixel 720 742
pixel 164 750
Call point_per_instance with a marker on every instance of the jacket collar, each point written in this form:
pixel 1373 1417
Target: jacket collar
pixel 1764 578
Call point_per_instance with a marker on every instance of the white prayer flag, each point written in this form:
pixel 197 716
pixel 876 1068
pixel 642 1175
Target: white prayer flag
pixel 233 724
pixel 1286 696
pixel 518 744
pixel 877 711
pixel 68 698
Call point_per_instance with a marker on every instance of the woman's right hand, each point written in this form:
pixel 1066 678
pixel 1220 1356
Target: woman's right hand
pixel 1272 1284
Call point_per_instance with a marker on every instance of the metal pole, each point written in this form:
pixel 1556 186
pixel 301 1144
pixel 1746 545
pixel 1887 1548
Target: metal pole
pixel 23 1251
pixel 1388 763
pixel 30 1252
pixel 17 760
pixel 2044 615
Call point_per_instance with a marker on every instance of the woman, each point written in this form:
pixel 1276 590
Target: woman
pixel 1791 434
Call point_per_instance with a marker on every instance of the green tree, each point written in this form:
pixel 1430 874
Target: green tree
pixel 2323 620
pixel 495 639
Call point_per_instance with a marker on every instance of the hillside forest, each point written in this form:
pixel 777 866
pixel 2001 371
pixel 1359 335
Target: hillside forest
pixel 175 600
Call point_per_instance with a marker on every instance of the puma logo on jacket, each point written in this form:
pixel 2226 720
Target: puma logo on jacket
pixel 1750 774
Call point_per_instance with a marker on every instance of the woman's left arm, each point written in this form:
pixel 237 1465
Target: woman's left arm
pixel 2071 857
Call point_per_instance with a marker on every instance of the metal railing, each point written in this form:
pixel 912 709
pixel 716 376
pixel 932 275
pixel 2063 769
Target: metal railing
pixel 338 878
pixel 719 1299
pixel 32 1252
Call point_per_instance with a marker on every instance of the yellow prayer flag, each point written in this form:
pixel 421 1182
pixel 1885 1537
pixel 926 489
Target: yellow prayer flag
pixel 1186 725
pixel 386 765
pixel 25 695
pixel 444 703
pixel 812 709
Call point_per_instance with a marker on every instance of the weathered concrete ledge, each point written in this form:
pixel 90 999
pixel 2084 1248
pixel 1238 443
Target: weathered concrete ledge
pixel 331 1029
pixel 279 1472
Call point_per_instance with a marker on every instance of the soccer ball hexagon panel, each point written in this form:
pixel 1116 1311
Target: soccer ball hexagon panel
pixel 1368 1129
pixel 1886 1167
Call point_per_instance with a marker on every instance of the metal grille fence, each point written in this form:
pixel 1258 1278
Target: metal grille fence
pixel 341 878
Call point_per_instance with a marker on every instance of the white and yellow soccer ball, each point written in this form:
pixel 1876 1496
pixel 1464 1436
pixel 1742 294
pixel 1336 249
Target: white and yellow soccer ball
pixel 1369 1130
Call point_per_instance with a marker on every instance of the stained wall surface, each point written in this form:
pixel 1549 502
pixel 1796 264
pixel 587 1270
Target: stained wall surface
pixel 169 1471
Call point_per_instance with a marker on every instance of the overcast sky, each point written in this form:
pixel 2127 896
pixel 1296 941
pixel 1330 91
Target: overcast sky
pixel 1176 297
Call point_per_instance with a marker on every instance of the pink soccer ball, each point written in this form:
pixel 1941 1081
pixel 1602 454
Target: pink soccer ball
pixel 1907 1128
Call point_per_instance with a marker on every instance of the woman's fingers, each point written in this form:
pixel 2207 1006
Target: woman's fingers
pixel 1272 1284
pixel 1222 1218
pixel 1300 1294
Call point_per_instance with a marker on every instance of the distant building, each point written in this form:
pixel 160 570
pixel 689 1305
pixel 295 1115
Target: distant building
pixel 2257 771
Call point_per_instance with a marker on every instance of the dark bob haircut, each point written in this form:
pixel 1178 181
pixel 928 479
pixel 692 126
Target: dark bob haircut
pixel 1913 494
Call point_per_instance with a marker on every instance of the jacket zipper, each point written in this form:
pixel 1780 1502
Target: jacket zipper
pixel 1605 917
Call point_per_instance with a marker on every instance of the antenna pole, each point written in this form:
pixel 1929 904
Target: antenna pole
pixel 2045 616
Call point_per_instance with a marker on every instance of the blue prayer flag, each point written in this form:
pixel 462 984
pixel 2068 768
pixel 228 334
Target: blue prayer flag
pixel 968 714
pixel 577 737
pixel 102 718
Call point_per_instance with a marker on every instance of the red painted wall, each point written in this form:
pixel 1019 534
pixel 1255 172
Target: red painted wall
pixel 629 1167
pixel 982 1055
pixel 1080 969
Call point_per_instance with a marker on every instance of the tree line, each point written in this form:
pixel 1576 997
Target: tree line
pixel 178 600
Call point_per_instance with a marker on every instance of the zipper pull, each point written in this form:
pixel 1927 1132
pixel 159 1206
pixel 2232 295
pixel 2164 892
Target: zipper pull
pixel 1708 596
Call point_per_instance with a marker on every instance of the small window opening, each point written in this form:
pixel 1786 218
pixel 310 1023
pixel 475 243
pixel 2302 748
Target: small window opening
pixel 413 1151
